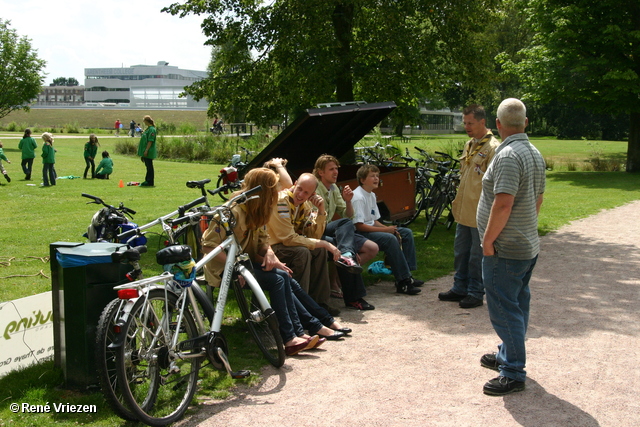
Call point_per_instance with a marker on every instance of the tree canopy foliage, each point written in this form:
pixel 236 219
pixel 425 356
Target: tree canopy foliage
pixel 585 54
pixel 63 81
pixel 274 58
pixel 20 70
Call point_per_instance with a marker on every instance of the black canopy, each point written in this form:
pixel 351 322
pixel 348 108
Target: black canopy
pixel 331 130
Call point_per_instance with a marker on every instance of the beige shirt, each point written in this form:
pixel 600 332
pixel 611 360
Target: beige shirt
pixel 466 202
pixel 293 225
pixel 250 241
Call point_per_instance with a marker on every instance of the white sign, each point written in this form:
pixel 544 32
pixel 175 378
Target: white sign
pixel 26 325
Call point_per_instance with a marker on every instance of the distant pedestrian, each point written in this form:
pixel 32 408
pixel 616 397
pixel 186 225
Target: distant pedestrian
pixel 48 160
pixel 117 126
pixel 105 168
pixel 90 151
pixel 147 151
pixel 28 146
pixel 3 157
pixel 132 128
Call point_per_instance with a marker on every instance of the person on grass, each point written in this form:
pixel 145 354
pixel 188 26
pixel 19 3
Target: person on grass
pixel 105 168
pixel 28 147
pixel 90 151
pixel 467 288
pixel 147 151
pixel 48 161
pixel 389 238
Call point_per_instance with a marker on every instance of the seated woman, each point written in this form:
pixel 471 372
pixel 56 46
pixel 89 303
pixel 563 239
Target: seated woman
pixel 272 275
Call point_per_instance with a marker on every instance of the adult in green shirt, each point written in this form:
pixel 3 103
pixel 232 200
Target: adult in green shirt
pixel 28 147
pixel 90 151
pixel 147 150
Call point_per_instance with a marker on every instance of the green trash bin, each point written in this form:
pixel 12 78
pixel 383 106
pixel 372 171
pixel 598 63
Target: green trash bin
pixel 82 281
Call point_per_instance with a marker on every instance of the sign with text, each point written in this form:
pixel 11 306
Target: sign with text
pixel 26 325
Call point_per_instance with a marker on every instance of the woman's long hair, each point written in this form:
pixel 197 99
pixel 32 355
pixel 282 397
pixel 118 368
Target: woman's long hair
pixel 259 210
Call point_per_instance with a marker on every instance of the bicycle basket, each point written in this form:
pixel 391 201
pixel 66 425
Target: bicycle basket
pixel 229 175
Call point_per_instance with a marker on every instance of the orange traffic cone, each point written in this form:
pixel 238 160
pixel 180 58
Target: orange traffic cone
pixel 121 185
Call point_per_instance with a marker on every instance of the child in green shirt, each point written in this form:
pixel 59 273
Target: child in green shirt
pixel 3 157
pixel 48 160
pixel 105 168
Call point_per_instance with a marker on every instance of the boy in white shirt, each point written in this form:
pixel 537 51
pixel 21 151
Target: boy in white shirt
pixel 401 259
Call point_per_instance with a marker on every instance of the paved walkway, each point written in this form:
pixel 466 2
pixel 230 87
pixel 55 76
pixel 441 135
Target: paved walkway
pixel 414 361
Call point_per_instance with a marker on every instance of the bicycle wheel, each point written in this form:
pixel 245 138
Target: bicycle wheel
pixel 262 325
pixel 191 236
pixel 219 184
pixel 420 205
pixel 156 386
pixel 433 217
pixel 106 363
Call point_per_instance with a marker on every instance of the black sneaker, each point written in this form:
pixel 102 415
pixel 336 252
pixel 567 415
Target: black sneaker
pixel 407 288
pixel 417 283
pixel 360 304
pixel 7 176
pixel 470 302
pixel 502 385
pixel 450 296
pixel 490 361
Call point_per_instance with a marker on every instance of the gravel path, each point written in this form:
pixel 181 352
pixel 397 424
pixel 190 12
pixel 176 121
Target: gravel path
pixel 414 361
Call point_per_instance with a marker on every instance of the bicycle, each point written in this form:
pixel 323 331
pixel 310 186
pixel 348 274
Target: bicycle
pixel 229 177
pixel 442 193
pixel 424 181
pixel 110 223
pixel 162 342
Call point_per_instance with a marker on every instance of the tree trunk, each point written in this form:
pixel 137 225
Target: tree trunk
pixel 633 147
pixel 343 28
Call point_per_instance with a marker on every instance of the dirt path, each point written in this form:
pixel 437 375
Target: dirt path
pixel 414 361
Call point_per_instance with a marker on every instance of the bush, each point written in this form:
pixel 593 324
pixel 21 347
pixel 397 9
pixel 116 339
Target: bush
pixel 128 147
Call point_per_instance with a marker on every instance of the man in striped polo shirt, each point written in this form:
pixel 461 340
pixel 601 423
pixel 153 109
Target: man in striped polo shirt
pixel 507 217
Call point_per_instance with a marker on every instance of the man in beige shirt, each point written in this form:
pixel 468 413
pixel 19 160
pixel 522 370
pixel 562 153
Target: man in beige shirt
pixel 467 288
pixel 295 235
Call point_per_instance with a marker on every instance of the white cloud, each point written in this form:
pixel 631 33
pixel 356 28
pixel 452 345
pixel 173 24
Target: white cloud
pixel 78 34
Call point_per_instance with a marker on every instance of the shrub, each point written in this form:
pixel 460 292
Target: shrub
pixel 126 146
pixel 572 166
pixel 550 163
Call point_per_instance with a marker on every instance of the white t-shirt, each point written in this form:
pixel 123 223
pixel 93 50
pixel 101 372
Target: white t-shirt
pixel 365 207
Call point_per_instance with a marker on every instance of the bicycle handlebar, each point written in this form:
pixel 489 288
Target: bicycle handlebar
pixel 196 202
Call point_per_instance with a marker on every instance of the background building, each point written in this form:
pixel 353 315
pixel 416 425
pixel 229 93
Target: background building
pixel 61 96
pixel 142 86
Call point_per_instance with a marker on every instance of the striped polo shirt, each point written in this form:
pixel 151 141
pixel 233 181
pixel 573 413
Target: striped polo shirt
pixel 517 169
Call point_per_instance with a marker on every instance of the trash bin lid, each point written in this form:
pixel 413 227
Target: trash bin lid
pixel 88 253
pixel 332 130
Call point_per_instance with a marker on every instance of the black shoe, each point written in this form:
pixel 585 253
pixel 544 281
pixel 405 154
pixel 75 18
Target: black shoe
pixel 27 177
pixel 490 361
pixel 470 302
pixel 334 337
pixel 332 311
pixel 407 288
pixel 502 385
pixel 360 304
pixel 7 176
pixel 417 283
pixel 450 296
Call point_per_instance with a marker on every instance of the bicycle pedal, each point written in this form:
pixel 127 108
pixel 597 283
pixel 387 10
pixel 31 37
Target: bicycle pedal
pixel 238 375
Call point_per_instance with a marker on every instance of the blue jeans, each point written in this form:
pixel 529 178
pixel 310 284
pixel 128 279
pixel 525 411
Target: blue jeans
pixel 467 261
pixel 343 231
pixel 508 297
pixel 311 315
pixel 402 261
pixel 277 283
pixel 49 174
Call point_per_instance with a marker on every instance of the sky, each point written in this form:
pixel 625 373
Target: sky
pixel 72 35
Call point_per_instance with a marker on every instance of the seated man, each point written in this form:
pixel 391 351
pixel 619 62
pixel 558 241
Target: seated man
pixel 341 231
pixel 295 231
pixel 401 259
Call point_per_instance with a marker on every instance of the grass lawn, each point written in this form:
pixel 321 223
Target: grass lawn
pixel 35 216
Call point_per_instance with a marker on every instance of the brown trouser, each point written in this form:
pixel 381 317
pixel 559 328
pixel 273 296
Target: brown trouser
pixel 309 269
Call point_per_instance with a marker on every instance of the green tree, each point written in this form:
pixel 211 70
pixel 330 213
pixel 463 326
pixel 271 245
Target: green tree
pixel 59 81
pixel 277 57
pixel 586 53
pixel 20 68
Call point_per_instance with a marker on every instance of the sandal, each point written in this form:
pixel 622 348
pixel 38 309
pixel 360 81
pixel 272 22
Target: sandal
pixel 336 293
